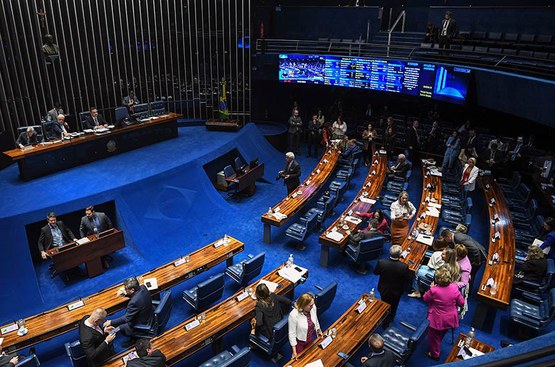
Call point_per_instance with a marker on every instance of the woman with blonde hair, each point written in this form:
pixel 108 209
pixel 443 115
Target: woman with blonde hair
pixel 402 211
pixel 449 257
pixel 534 267
pixel 427 271
pixel 303 324
pixel 443 298
pixel 464 266
pixel 469 175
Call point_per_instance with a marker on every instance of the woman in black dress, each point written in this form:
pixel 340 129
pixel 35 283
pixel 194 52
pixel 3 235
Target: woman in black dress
pixel 268 311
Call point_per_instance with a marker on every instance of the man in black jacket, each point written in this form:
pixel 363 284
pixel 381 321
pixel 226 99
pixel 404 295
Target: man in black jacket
pixel 54 234
pixel 292 172
pixel 93 220
pixel 96 343
pixel 394 274
pixel 477 254
pixel 148 356
pixel 139 309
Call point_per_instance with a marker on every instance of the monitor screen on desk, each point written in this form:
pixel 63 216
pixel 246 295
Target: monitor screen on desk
pixel 140 108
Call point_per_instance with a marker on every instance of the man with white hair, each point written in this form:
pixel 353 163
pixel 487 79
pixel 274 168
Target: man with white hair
pixel 291 174
pixel 378 356
pixel 96 343
pixel 394 274
pixel 27 137
pixel 400 168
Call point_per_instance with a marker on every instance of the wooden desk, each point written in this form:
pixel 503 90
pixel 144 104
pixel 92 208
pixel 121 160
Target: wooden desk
pixel 352 329
pixel 223 125
pixel 428 223
pixel 59 320
pixel 69 256
pixel 178 344
pixel 476 344
pixel 46 158
pixel 246 182
pixel 309 188
pixel 503 271
pixel 369 190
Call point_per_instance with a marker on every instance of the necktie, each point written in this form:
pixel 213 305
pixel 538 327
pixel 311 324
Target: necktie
pixel 95 122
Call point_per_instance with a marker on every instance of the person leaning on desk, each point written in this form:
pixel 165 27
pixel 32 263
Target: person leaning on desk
pixel 27 137
pixel 54 234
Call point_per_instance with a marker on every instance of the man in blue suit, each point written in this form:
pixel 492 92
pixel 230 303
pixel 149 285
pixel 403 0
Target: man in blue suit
pixel 139 309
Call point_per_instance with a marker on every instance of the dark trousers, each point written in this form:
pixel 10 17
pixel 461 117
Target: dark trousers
pixel 444 42
pixel 313 141
pixel 393 299
pixel 294 142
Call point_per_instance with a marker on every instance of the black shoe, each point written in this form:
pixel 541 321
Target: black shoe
pixel 128 343
pixel 430 356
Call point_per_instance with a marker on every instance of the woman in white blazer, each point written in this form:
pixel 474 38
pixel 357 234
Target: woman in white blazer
pixel 469 175
pixel 303 324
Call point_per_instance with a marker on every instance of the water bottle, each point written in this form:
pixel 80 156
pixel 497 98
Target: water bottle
pixel 290 261
pixel 270 212
pixel 226 239
pixel 95 231
pixel 372 295
pixel 470 337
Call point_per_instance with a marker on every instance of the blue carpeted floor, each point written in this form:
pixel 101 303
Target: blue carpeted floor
pixel 167 207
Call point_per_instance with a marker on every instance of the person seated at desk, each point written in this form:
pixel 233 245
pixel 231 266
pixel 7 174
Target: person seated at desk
pixel 352 148
pixel 268 310
pixel 27 137
pixel 130 100
pixel 148 356
pixel 52 115
pixel 54 234
pixel 383 226
pixel 139 309
pixel 94 222
pixel 548 237
pixel 369 232
pixel 401 168
pixel 534 267
pixel 96 343
pixel 61 128
pixel 378 357
pixel 94 120
pixel 10 359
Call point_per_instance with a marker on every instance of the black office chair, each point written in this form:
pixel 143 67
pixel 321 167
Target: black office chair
pixel 245 271
pixel 161 316
pixel 82 117
pixel 234 358
pixel 368 249
pixel 324 298
pixel 238 165
pixel 271 347
pixel 48 129
pixel 205 293
pixel 76 354
pixel 403 343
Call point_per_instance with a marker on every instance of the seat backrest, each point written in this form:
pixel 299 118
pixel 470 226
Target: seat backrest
pixel 210 291
pixel 239 359
pixel 228 171
pixel 76 353
pixel 252 268
pixel 162 311
pixel 324 298
pixel 370 248
pixel 29 361
pixel 417 335
pixel 280 335
pixel 82 117
pixel 238 163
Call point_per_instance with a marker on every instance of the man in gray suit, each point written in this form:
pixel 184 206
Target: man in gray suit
pixel 94 222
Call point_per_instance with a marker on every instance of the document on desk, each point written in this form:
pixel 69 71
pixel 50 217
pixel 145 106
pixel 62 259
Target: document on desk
pixel 271 285
pixel 353 220
pixel 293 274
pixel 317 363
pixel 425 239
pixel 367 201
pixel 336 236
pixel 83 240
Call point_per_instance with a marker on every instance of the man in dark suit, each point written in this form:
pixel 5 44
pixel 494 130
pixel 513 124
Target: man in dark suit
pixel 148 356
pixel 412 140
pixel 94 222
pixel 292 172
pixel 8 360
pixel 27 137
pixel 139 309
pixel 94 120
pixel 378 357
pixel 447 31
pixel 96 343
pixel 394 274
pixel 54 234
pixel 477 254
pixel 130 100
pixel 401 168
pixel 369 232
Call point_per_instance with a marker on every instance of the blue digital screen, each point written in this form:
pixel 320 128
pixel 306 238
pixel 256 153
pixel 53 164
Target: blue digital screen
pixel 444 83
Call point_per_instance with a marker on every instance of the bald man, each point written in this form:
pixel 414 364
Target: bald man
pixel 96 343
pixel 378 357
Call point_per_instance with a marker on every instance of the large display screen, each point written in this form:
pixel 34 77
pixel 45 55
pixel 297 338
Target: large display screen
pixel 445 83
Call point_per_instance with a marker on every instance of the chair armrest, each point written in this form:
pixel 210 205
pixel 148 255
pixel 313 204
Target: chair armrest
pixel 318 287
pixel 250 256
pixel 532 316
pixel 408 326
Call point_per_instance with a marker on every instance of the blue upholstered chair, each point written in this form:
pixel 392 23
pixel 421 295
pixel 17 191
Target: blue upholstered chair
pixel 246 270
pixel 324 298
pixel 307 223
pixel 534 313
pixel 401 342
pixel 234 358
pixel 29 361
pixel 162 310
pixel 272 346
pixel 82 117
pixel 537 287
pixel 205 293
pixel 368 249
pixel 76 354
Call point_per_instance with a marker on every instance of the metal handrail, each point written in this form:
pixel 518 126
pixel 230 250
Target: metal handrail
pixel 403 16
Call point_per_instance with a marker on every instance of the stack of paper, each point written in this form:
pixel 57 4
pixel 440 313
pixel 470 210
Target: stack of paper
pixel 280 216
pixel 271 285
pixel 317 363
pixel 293 274
pixel 368 201
pixel 354 220
pixel 425 239
pixel 336 236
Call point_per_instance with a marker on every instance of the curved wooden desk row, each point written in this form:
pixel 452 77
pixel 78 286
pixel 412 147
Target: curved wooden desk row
pixel 475 344
pixel 369 191
pixel 294 202
pixel 427 224
pixel 59 320
pixel 177 343
pixel 353 329
pixel 46 158
pixel 501 271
